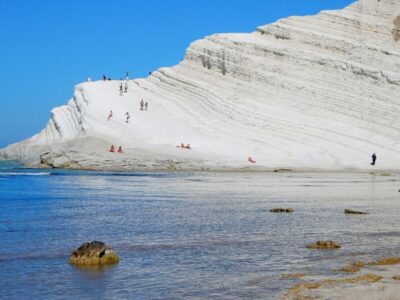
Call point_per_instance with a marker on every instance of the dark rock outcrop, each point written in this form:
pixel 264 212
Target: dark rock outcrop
pixel 354 212
pixel 93 253
pixel 281 210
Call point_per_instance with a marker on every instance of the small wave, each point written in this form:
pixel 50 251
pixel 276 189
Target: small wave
pixel 23 174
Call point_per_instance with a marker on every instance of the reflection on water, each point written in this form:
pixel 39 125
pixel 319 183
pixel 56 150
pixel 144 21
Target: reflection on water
pixel 186 235
pixel 93 272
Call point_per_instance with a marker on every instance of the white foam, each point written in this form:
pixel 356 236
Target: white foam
pixel 23 174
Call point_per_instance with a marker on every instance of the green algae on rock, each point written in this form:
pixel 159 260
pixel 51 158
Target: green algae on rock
pixel 93 253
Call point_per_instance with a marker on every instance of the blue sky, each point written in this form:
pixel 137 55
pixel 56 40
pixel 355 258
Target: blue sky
pixel 48 46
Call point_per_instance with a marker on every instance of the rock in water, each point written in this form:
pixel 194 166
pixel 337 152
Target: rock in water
pixel 282 210
pixel 353 267
pixel 93 253
pixel 324 245
pixel 354 212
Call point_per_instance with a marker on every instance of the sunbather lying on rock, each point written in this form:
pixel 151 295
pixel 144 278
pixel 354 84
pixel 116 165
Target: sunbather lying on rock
pixel 183 146
pixel 251 160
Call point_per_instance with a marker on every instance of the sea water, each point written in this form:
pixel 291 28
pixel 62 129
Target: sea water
pixel 186 235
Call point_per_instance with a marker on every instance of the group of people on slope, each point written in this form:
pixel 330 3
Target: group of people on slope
pixel 126 77
pixel 112 149
pixel 127 114
pixel 183 146
pixel 105 78
pixel 123 88
pixel 143 105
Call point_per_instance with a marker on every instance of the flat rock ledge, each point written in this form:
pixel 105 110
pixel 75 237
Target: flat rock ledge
pixel 58 160
pixel 354 212
pixel 324 245
pixel 282 210
pixel 93 253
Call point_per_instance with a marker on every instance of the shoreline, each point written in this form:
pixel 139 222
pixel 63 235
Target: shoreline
pixel 205 169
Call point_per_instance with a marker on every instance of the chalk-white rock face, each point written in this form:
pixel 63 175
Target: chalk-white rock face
pixel 305 92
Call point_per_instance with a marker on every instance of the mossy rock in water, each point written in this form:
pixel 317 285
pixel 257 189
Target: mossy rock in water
pixel 353 267
pixel 93 253
pixel 385 261
pixel 324 245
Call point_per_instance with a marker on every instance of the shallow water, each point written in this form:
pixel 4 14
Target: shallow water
pixel 186 235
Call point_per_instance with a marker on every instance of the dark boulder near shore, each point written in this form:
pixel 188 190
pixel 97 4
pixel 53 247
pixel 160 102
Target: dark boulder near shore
pixel 93 253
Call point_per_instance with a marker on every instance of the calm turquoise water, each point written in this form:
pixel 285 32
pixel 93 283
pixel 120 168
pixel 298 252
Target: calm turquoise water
pixel 185 235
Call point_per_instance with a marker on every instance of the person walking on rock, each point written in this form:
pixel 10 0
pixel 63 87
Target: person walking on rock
pixel 110 115
pixel 373 159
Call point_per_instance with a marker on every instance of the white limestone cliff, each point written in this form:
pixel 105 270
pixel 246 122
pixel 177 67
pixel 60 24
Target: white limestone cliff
pixel 314 92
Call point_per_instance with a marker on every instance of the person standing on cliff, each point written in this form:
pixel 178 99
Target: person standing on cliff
pixel 110 115
pixel 373 159
pixel 121 89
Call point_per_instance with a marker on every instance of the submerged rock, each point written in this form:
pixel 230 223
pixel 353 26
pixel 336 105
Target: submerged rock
pixel 354 212
pixel 282 210
pixel 386 261
pixel 302 290
pixel 324 245
pixel 293 276
pixel 93 253
pixel 353 267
